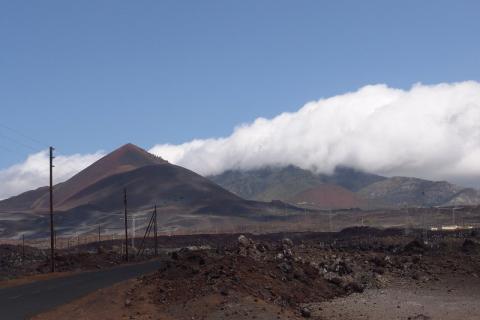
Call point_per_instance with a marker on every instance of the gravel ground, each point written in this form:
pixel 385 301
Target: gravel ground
pixel 454 298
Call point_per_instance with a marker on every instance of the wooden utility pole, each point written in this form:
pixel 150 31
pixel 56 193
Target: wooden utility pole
pixel 52 232
pixel 155 229
pixel 126 223
pixel 133 232
pixel 330 221
pixel 99 240
pixel 23 247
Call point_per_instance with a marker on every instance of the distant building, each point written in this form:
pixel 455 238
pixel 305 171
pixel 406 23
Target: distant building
pixel 451 228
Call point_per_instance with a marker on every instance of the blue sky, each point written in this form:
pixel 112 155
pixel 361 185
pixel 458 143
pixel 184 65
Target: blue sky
pixel 91 75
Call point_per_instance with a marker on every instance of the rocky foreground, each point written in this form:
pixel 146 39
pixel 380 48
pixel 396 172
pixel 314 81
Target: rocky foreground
pixel 17 262
pixel 287 279
pixel 359 273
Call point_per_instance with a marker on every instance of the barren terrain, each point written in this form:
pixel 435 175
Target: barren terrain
pixel 360 273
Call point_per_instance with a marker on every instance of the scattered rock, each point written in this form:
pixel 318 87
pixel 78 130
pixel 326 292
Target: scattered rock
pixel 285 267
pixel 415 246
pixel 470 246
pixel 244 241
pixel 305 312
pixel 286 242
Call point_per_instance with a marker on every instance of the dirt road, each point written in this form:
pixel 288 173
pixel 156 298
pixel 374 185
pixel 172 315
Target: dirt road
pixel 22 302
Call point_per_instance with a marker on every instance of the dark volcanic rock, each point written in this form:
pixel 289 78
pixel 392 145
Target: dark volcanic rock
pixel 471 247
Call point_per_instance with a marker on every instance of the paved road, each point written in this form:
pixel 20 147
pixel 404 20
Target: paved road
pixel 24 301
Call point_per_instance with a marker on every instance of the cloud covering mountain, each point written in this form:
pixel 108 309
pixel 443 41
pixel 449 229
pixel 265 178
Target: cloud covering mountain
pixel 428 131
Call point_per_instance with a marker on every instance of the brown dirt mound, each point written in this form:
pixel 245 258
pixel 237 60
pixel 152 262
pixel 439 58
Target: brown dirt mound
pixel 194 274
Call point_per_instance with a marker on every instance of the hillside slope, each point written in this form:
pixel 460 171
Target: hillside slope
pixel 404 191
pixel 165 184
pixel 283 183
pixel 148 179
pixel 296 185
pixel 327 196
pixel 126 158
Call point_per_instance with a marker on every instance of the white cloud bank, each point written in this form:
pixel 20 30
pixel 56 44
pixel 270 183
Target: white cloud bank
pixel 429 131
pixel 33 172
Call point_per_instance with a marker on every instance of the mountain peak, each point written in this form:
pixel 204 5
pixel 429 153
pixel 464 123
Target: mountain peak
pixel 132 155
pixel 129 147
pixel 126 158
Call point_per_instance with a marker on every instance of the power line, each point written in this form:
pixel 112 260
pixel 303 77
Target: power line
pixel 29 146
pixel 52 231
pixel 38 142
pixel 9 149
pixel 126 222
pixel 23 155
pixel 18 142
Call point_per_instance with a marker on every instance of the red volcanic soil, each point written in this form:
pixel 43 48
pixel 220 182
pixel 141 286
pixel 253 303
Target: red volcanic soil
pixel 328 196
pixel 148 184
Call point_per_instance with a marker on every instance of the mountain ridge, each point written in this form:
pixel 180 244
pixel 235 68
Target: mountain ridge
pixel 106 177
pixel 148 179
pixel 282 183
pixel 95 196
pixel 291 183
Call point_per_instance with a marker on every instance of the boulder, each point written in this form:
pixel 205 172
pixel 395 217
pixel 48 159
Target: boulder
pixel 305 312
pixel 470 246
pixel 244 241
pixel 286 242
